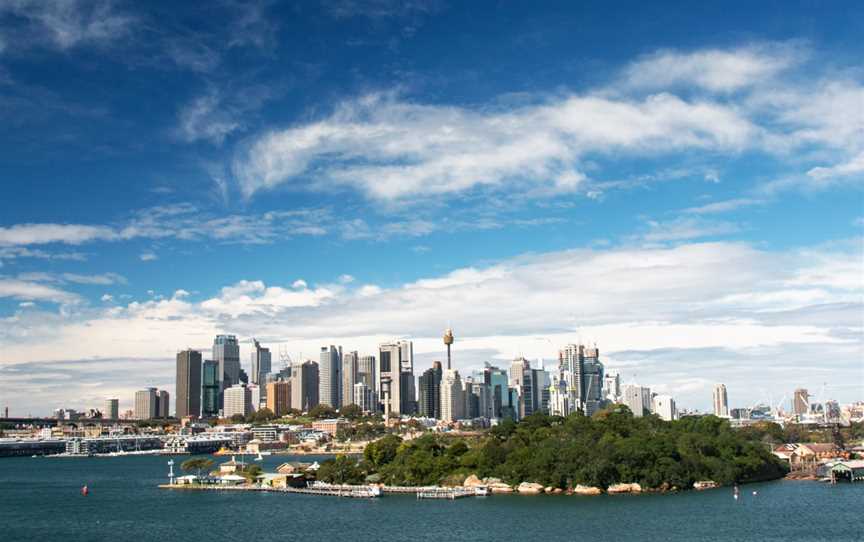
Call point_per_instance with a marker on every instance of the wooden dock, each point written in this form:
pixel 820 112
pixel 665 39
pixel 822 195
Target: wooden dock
pixel 355 492
pixel 449 493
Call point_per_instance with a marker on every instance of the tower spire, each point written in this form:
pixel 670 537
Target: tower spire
pixel 448 340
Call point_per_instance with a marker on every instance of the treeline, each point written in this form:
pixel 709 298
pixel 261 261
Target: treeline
pixel 609 448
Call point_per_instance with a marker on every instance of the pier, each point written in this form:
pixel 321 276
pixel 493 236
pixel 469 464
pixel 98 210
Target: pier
pixel 449 493
pixel 356 492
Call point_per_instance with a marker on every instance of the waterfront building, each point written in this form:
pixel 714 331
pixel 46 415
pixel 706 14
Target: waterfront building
pixel 800 402
pixel 304 386
pixel 279 397
pixel 664 406
pixel 237 400
pixel 395 378
pixel 188 382
pixel 350 364
pixel 111 410
pixel 163 404
pixel 430 392
pixel 721 401
pixel 210 383
pixel 452 399
pixel 261 366
pixel 638 399
pixel 364 397
pixel 329 381
pixel 146 406
pixel 226 352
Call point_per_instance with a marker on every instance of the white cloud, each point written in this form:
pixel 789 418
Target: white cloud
pixel 715 70
pixel 35 234
pixel 69 23
pixel 855 166
pixel 26 290
pixel 723 206
pixel 107 298
pixel 148 257
pixel 686 228
pixel 391 148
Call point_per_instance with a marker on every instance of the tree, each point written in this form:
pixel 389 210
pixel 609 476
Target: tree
pixel 382 451
pixel 352 411
pixel 341 470
pixel 262 415
pixel 250 472
pixel 322 411
pixel 238 418
pixel 197 465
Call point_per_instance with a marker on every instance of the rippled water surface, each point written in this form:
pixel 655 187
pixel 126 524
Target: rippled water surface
pixel 40 500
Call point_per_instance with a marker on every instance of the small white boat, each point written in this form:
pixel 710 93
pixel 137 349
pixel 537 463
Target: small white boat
pixel 481 491
pixel 259 457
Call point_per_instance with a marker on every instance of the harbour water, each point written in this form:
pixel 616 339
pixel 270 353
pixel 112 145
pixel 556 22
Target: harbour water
pixel 40 500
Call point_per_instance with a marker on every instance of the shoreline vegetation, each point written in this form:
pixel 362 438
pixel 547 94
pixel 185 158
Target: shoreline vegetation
pixel 612 452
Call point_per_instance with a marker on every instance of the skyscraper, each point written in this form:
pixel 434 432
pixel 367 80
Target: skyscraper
pixel 592 381
pixel 366 371
pixel 210 383
pixel 146 406
pixel 279 397
pixel 395 378
pixel 498 384
pixel 163 404
pixel 800 402
pixel 238 400
pixel 612 387
pixel 188 382
pixel 226 352
pixel 260 364
pixel 664 406
pixel 350 366
pixel 721 401
pixel 111 410
pixel 522 377
pixel 304 386
pixel 364 397
pixel 452 396
pixel 329 372
pixel 430 391
pixel 638 399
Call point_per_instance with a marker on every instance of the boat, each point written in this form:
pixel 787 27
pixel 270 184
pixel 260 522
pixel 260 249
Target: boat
pixel 84 490
pixel 258 457
pixel 481 491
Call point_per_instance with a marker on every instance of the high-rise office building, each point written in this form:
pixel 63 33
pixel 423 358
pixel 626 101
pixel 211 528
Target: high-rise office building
pixel 721 401
pixel 366 371
pixel 430 392
pixel 664 406
pixel 304 386
pixel 395 378
pixel 226 352
pixel 350 366
pixel 638 399
pixel 592 381
pixel 452 396
pixel 146 404
pixel 111 410
pixel 800 402
pixel 558 396
pixel 188 382
pixel 163 404
pixel 238 400
pixel 364 397
pixel 498 384
pixel 261 366
pixel 522 378
pixel 279 397
pixel 329 372
pixel 612 387
pixel 255 392
pixel 210 383
pixel 582 372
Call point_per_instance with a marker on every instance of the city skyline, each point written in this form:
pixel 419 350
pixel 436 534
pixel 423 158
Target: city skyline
pixel 691 201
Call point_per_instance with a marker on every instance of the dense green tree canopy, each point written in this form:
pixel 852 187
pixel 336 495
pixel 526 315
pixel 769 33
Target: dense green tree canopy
pixel 612 447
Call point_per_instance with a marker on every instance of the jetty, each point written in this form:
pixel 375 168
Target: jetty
pixel 356 492
pixel 449 493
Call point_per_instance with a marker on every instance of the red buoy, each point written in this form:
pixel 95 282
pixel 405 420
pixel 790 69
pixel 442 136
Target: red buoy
pixel 84 490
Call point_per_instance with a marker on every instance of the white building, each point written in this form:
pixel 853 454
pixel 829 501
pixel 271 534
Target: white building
pixel 255 393
pixel 612 387
pixel 238 400
pixel 146 404
pixel 364 397
pixel 330 376
pixel 664 406
pixel 452 397
pixel 638 399
pixel 721 401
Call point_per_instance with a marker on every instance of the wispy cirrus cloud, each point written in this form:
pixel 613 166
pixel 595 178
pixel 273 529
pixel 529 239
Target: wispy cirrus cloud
pixel 66 24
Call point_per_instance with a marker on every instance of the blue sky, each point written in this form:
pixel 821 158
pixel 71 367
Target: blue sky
pixel 682 186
